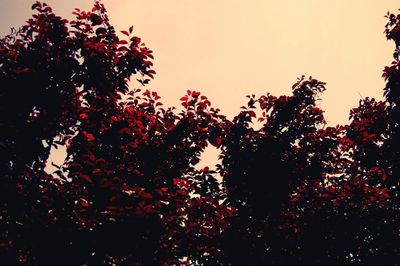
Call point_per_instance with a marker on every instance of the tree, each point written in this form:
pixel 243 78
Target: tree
pixel 129 192
pixel 310 194
pixel 289 154
pixel 124 192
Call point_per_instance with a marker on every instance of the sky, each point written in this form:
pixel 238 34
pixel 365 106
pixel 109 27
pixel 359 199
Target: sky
pixel 228 49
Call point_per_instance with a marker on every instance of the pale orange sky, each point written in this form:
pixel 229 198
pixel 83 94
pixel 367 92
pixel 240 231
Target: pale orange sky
pixel 229 48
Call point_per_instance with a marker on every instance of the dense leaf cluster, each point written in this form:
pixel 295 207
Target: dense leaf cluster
pixel 294 192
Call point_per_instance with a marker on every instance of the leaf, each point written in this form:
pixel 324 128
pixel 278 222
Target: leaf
pixel 84 202
pixel 101 31
pixel 86 178
pixel 36 5
pixel 252 114
pixel 48 9
pixel 145 195
pixel 147 93
pixel 125 32
pixel 130 29
pixel 90 137
pixel 122 48
pixel 216 142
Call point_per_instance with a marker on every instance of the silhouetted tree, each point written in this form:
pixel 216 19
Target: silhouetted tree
pixel 294 192
pixel 128 192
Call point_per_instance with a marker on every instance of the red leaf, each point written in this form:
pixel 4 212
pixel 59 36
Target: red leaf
pixel 125 32
pixel 86 178
pixel 96 171
pixel 216 142
pixel 147 93
pixel 88 136
pixel 145 195
pixel 48 9
pixel 84 203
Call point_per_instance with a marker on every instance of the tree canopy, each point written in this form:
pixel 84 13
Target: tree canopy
pixel 294 192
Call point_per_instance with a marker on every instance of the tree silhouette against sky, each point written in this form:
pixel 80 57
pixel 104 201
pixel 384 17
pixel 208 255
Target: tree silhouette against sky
pixel 294 192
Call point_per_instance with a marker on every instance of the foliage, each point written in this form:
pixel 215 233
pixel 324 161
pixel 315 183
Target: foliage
pixel 295 191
